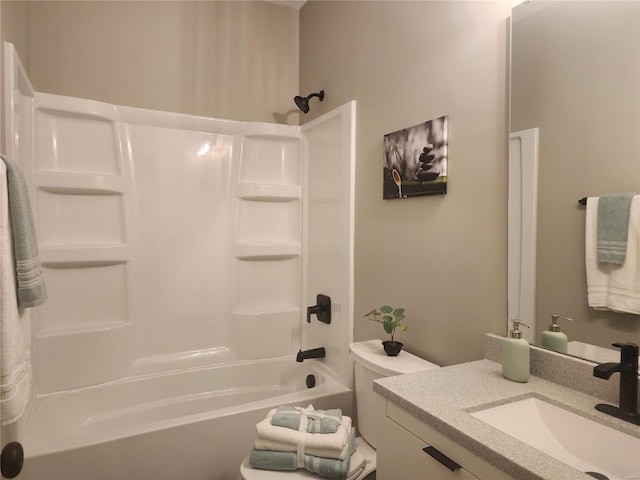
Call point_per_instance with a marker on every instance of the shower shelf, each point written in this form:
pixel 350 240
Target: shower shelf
pixel 93 328
pixel 81 184
pixel 268 192
pixel 68 256
pixel 270 251
pixel 267 315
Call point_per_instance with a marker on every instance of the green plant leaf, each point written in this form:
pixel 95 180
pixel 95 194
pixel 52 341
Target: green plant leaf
pixel 388 325
pixel 386 309
pixel 398 311
pixel 398 316
pixel 372 312
pixel 404 328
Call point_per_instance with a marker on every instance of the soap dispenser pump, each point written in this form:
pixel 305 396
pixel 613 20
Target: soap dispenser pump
pixel 554 339
pixel 515 354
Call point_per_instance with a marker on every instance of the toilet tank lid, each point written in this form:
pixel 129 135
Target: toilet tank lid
pixel 371 354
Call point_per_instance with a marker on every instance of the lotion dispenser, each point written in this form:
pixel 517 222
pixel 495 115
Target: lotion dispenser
pixel 515 354
pixel 554 339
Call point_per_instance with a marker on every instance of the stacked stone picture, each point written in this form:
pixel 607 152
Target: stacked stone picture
pixel 415 160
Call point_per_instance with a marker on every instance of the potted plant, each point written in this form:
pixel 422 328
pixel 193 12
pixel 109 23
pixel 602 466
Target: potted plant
pixel 390 318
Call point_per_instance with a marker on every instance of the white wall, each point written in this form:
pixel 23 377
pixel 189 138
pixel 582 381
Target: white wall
pixel 442 258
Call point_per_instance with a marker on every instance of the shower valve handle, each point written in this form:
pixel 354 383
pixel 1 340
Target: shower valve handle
pixel 322 309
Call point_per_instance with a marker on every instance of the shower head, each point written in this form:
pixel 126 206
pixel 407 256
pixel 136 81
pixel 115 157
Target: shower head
pixel 303 102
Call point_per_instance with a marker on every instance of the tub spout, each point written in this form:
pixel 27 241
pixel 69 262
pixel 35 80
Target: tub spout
pixel 307 354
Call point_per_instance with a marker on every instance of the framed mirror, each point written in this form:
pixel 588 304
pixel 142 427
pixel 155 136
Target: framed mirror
pixel 575 77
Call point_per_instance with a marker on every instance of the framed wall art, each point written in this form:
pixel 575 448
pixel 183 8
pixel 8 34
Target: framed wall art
pixel 415 160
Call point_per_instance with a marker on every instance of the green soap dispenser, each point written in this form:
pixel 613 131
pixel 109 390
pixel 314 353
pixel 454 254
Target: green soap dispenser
pixel 554 339
pixel 515 354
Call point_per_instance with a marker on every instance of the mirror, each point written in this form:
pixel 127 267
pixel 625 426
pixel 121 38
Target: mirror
pixel 575 76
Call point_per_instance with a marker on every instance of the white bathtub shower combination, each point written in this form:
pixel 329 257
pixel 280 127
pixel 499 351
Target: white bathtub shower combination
pixel 180 254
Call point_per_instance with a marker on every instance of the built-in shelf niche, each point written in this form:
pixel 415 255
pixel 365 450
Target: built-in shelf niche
pixel 267 161
pixel 60 124
pixel 267 240
pixel 265 222
pixel 79 219
pixel 267 284
pixel 83 298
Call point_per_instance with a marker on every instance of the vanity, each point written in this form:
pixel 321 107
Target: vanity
pixel 430 430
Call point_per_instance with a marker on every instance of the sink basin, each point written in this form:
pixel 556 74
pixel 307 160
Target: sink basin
pixel 577 441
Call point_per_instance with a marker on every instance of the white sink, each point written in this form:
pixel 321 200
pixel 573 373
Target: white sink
pixel 577 441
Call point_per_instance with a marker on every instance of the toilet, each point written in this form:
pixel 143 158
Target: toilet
pixel 370 363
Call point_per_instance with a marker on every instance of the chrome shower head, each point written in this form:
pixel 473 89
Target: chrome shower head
pixel 303 102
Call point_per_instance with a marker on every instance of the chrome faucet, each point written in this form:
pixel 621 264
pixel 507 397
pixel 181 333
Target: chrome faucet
pixel 307 354
pixel 628 368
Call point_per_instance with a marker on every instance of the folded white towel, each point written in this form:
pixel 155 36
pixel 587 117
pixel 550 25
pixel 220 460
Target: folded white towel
pixel 15 366
pixel 610 286
pixel 282 439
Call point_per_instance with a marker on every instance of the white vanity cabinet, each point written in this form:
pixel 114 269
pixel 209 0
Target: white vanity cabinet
pixel 402 439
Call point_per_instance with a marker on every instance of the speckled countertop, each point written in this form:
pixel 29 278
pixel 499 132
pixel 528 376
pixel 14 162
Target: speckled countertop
pixel 444 398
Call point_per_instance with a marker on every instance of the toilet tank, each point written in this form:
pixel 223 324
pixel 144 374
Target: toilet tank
pixel 371 362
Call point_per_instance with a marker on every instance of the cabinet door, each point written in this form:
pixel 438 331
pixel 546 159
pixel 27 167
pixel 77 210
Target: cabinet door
pixel 400 456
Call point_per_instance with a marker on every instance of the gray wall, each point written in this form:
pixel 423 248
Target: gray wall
pixel 442 258
pixel 234 60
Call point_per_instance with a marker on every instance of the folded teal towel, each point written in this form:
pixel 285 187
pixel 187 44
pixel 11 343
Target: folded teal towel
pixel 613 227
pixel 31 289
pixel 325 421
pixel 286 461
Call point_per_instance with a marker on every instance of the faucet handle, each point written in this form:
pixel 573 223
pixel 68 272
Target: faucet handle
pixel 322 309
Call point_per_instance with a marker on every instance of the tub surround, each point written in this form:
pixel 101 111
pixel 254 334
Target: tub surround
pixel 478 385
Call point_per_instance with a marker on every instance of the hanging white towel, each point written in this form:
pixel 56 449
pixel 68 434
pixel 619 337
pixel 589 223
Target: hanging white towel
pixel 15 365
pixel 610 286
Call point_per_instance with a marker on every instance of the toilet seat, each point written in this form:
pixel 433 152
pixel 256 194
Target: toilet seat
pixel 363 461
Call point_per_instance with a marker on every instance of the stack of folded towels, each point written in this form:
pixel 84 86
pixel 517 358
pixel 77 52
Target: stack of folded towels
pixel 320 441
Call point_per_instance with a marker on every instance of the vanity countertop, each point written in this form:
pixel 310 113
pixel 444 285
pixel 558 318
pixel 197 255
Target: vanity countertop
pixel 443 399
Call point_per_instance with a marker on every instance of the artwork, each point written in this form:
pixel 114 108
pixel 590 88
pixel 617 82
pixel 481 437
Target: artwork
pixel 415 160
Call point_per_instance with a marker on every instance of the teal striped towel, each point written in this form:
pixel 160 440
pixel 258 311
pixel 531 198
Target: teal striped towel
pixel 318 421
pixel 31 289
pixel 287 461
pixel 613 227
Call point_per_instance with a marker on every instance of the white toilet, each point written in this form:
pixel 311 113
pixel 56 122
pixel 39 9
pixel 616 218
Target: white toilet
pixel 370 363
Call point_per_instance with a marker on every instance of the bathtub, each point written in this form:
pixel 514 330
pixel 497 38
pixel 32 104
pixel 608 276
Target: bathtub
pixel 194 424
